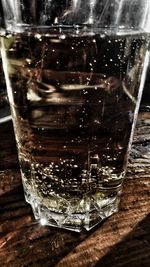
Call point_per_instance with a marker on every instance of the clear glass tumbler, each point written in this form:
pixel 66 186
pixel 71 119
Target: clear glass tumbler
pixel 75 71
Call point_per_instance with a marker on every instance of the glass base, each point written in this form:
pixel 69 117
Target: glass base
pixel 75 221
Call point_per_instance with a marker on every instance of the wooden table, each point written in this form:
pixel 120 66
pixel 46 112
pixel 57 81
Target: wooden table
pixel 121 240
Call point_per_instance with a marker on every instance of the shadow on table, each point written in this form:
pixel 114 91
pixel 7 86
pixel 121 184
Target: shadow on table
pixel 24 242
pixel 133 250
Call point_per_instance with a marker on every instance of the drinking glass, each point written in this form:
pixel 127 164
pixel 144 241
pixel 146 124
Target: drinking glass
pixel 75 71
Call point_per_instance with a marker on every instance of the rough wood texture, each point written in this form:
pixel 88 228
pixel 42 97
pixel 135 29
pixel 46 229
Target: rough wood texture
pixel 122 240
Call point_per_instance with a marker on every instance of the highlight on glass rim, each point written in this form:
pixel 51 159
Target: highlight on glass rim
pixel 75 72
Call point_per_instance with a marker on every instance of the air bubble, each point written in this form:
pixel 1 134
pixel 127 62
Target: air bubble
pixel 63 36
pixel 43 221
pixel 28 60
pixel 75 166
pixel 102 35
pixel 38 36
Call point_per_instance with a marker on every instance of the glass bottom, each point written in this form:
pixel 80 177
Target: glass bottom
pixel 76 220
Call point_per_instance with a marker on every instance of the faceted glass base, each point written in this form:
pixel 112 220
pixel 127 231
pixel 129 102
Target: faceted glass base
pixel 75 221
